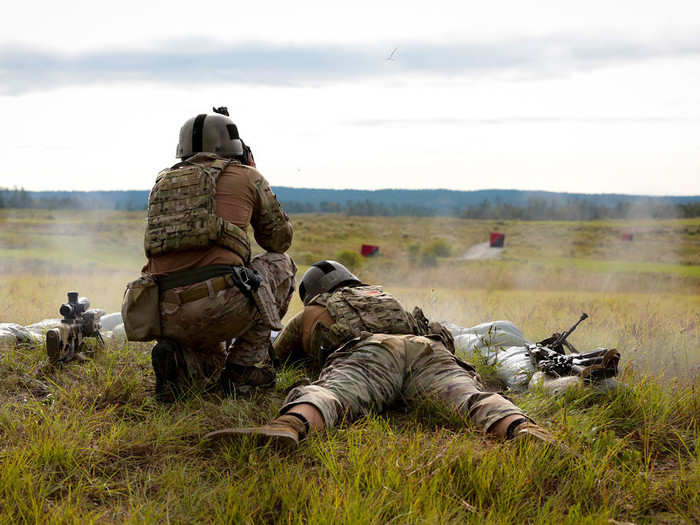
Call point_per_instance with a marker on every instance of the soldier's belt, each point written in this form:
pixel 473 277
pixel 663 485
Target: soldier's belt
pixel 193 276
pixel 198 292
pixel 217 277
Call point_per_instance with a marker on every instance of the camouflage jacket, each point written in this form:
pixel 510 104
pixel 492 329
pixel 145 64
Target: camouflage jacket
pixel 331 319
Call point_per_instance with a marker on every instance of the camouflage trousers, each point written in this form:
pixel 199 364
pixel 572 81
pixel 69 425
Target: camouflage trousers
pixel 384 369
pixel 202 327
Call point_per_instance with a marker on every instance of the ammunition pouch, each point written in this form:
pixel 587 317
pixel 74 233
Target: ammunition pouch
pixel 141 309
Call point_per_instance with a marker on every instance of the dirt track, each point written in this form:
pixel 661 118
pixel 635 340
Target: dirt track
pixel 482 251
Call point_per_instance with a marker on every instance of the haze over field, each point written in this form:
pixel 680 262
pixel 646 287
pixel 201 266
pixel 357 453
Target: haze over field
pixel 594 98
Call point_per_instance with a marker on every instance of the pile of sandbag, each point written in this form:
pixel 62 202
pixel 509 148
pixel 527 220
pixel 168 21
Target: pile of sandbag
pixel 503 345
pixel 505 348
pixel 13 335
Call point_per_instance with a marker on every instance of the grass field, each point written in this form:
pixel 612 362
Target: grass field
pixel 88 443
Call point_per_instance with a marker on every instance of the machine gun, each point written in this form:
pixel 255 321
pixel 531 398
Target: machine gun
pixel 65 342
pixel 550 357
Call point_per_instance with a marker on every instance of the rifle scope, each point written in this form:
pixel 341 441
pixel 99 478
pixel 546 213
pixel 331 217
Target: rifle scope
pixel 74 307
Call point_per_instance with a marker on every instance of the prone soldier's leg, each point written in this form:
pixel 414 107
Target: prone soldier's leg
pixel 434 373
pixel 367 377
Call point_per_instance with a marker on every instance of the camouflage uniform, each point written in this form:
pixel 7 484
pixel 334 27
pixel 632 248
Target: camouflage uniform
pixel 331 319
pixel 178 209
pixel 372 373
pixel 201 326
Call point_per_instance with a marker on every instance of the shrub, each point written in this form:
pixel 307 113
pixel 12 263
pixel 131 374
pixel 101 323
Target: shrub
pixel 306 258
pixel 428 261
pixel 438 248
pixel 351 260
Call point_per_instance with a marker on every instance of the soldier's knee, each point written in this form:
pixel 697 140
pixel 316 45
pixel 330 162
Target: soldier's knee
pixel 279 263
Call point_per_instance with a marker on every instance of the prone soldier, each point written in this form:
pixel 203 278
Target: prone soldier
pixel 339 307
pixel 362 369
pixel 372 372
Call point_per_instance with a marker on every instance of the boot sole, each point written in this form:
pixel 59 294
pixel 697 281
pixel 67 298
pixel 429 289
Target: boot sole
pixel 280 439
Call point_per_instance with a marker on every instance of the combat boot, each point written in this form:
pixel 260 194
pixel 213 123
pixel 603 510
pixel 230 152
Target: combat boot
pixel 242 379
pixel 526 432
pixel 283 432
pixel 530 431
pixel 164 361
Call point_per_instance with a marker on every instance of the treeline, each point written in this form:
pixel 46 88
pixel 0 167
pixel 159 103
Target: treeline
pixel 21 198
pixel 533 208
pixel 581 210
pixel 364 208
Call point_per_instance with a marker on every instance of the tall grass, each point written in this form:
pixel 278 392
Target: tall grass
pixel 95 447
pixel 88 444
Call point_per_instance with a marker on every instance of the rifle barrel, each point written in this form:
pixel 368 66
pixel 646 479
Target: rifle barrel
pixel 565 335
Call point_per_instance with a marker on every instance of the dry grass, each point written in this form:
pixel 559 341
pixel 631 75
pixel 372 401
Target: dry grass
pixel 88 444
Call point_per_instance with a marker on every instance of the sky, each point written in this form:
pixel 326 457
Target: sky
pixel 585 97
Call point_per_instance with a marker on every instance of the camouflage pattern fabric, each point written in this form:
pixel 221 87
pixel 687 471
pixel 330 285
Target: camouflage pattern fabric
pixel 182 210
pixel 357 309
pixel 350 311
pixel 271 226
pixel 201 327
pixel 373 373
pixel 278 271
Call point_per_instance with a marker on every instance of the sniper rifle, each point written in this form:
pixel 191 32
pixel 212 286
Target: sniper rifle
pixel 65 343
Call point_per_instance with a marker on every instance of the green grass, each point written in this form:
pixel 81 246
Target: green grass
pixel 97 448
pixel 88 443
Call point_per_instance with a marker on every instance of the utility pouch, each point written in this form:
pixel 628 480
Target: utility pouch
pixel 141 309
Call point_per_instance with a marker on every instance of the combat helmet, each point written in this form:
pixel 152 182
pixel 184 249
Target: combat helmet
pixel 212 133
pixel 324 276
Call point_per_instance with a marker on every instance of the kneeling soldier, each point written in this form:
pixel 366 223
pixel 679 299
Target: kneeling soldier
pixel 198 250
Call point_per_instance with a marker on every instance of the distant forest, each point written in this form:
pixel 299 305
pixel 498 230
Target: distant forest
pixel 483 204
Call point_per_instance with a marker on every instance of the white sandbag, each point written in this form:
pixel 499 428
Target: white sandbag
pixel 119 333
pixel 12 334
pixel 110 321
pixel 557 385
pixel 40 328
pixel 503 345
pixel 493 335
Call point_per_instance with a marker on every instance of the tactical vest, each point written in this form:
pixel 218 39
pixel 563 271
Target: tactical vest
pixel 182 210
pixel 365 309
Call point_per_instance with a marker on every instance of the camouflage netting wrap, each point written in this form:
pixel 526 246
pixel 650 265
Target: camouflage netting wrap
pixel 365 309
pixel 182 210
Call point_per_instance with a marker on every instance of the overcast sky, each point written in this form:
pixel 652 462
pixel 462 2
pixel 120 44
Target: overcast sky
pixel 595 96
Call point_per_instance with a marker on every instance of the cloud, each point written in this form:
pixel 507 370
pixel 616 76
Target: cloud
pixel 196 62
pixel 449 121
